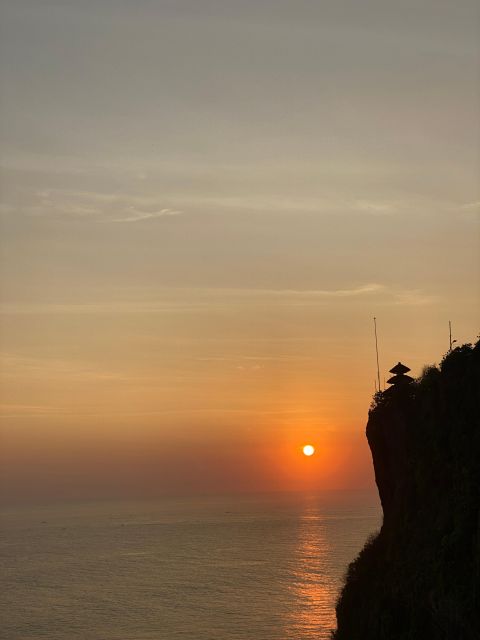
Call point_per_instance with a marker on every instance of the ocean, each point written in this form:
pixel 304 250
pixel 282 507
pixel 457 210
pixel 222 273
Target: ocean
pixel 226 568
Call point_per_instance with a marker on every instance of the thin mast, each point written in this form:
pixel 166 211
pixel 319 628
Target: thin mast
pixel 450 332
pixel 376 349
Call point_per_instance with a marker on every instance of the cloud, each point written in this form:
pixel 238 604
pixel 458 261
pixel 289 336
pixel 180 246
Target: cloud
pixel 24 410
pixel 133 207
pixel 17 365
pixel 115 208
pixel 374 208
pixel 471 210
pixel 340 293
pixel 413 297
pixel 472 206
pixel 275 203
pixel 138 215
pixel 101 207
pixel 207 300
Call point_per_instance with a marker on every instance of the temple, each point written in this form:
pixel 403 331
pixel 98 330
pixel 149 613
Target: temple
pixel 399 378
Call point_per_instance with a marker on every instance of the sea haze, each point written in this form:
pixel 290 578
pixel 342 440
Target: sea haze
pixel 263 567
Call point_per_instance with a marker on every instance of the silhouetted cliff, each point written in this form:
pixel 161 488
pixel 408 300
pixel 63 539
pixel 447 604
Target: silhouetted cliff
pixel 419 578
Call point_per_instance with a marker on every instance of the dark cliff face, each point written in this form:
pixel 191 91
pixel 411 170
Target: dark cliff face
pixel 419 578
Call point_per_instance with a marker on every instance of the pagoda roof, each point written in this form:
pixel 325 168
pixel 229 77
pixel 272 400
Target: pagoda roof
pixel 399 369
pixel 399 378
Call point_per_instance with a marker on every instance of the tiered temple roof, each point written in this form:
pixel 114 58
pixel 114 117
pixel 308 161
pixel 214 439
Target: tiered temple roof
pixel 399 377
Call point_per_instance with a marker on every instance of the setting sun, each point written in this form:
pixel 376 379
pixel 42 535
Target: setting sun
pixel 308 450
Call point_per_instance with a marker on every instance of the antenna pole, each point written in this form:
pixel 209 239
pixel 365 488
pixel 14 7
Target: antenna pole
pixel 376 349
pixel 450 332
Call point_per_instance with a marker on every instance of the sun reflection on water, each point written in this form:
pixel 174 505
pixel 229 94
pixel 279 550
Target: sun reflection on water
pixel 314 591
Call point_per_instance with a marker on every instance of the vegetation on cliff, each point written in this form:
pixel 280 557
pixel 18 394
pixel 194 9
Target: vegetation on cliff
pixel 419 578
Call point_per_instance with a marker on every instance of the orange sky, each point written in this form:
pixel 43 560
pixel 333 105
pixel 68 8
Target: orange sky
pixel 144 402
pixel 201 217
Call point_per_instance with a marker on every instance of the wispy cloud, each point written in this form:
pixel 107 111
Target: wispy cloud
pixel 175 300
pixel 100 207
pixel 414 297
pixel 373 207
pixel 369 288
pixel 124 207
pixel 137 215
pixel 472 206
pixel 471 210
pixel 8 410
pixel 281 203
pixel 18 365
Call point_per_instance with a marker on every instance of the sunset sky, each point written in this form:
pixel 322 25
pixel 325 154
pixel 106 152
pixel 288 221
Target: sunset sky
pixel 204 204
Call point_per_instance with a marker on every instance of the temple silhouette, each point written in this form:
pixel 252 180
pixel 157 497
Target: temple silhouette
pixel 400 379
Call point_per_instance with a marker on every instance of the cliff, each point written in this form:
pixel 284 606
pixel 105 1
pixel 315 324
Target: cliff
pixel 419 578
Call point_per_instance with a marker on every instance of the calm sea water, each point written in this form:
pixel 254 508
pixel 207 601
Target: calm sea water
pixel 250 568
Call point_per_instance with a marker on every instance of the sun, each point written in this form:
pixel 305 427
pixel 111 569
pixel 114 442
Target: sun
pixel 308 450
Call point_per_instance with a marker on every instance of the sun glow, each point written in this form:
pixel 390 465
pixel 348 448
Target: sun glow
pixel 308 450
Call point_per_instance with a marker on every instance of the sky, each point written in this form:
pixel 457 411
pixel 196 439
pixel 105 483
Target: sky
pixel 204 203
